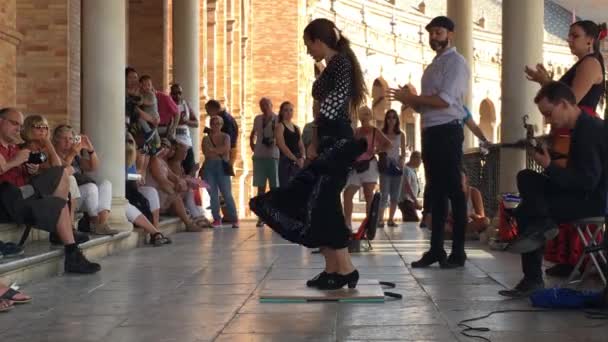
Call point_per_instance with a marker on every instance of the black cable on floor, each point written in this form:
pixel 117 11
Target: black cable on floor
pixel 598 315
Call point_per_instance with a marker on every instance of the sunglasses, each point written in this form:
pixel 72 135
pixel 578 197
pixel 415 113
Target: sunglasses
pixel 176 93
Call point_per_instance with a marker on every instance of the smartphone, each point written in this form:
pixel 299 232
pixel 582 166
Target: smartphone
pixel 77 139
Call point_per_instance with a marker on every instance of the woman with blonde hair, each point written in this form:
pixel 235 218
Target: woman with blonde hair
pixel 96 195
pixel 365 170
pixel 36 138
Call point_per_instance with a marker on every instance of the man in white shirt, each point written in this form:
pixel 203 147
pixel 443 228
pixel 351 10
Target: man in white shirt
pixel 444 84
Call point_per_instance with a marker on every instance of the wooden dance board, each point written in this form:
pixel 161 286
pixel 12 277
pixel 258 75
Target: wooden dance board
pixel 296 291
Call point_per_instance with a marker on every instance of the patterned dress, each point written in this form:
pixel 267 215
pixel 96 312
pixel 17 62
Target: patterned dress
pixel 309 210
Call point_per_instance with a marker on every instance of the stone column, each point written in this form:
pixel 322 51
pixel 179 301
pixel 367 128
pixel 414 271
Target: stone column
pixel 522 44
pixel 461 12
pixel 186 59
pixel 103 94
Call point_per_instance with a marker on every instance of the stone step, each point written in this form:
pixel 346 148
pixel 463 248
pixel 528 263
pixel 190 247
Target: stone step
pixel 41 260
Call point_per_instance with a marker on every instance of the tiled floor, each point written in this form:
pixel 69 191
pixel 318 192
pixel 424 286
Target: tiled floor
pixel 204 288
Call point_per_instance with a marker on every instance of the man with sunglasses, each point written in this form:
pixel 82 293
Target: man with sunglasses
pixel 35 198
pixel 559 194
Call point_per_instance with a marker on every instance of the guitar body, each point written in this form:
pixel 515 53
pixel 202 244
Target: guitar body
pixel 559 149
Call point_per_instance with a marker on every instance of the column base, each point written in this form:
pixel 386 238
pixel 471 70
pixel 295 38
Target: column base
pixel 118 215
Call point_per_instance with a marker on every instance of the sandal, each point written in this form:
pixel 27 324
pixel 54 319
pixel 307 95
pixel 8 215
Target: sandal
pixel 202 221
pixel 158 239
pixel 6 305
pixel 13 296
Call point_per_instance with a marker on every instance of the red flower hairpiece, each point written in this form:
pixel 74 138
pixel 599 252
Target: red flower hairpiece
pixel 603 32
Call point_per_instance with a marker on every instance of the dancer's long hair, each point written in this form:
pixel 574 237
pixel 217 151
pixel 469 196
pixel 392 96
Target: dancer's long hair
pixel 327 32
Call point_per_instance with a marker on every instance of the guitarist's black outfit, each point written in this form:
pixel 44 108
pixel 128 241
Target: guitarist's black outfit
pixel 560 195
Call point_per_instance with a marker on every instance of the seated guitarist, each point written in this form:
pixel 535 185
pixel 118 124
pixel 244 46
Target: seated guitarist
pixel 559 194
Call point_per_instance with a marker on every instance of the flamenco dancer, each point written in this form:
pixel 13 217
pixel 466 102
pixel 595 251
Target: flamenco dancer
pixel 309 211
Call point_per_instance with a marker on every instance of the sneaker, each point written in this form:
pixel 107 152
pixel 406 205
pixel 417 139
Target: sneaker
pixel 76 262
pixel 79 237
pixel 216 224
pixel 259 224
pixel 235 224
pixel 522 290
pixel 103 229
pixel 429 258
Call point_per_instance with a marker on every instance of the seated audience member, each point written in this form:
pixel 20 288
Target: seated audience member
pixel 170 187
pixel 10 297
pixel 477 222
pixel 216 147
pixel 95 197
pixel 134 113
pixel 149 104
pixel 149 205
pixel 409 203
pixel 176 158
pixel 31 196
pixel 559 194
pixel 136 198
pixel 36 138
pixel 188 118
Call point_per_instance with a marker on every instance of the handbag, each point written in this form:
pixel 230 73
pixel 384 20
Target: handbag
pixel 363 165
pixel 228 169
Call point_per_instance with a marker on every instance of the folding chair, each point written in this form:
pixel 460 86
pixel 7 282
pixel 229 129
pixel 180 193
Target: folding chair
pixel 593 250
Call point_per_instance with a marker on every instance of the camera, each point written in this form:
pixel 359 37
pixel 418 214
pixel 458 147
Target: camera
pixel 37 158
pixel 268 141
pixel 77 139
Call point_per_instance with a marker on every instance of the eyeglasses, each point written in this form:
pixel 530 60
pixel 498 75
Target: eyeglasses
pixel 13 122
pixel 44 127
pixel 176 92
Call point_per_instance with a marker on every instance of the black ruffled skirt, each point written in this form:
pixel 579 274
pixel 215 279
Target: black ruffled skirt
pixel 308 211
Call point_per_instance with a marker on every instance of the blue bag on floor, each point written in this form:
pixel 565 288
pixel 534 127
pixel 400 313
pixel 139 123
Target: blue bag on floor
pixel 564 298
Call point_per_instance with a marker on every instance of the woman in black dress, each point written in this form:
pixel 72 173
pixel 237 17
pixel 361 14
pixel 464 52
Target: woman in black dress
pixel 309 211
pixel 289 142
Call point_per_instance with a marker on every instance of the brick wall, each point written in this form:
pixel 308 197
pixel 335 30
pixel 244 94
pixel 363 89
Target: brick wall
pixel 9 39
pixel 147 40
pixel 42 58
pixel 274 41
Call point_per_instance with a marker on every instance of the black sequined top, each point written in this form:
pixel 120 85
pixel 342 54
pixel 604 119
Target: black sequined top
pixel 333 89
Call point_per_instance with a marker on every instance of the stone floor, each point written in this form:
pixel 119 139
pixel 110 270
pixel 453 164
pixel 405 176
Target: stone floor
pixel 204 288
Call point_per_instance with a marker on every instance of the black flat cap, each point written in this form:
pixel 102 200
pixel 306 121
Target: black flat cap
pixel 441 21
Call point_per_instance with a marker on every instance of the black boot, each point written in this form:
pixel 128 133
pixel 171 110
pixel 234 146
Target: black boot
pixel 337 281
pixel 429 258
pixel 318 279
pixel 79 237
pixel 455 260
pixel 524 289
pixel 76 262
